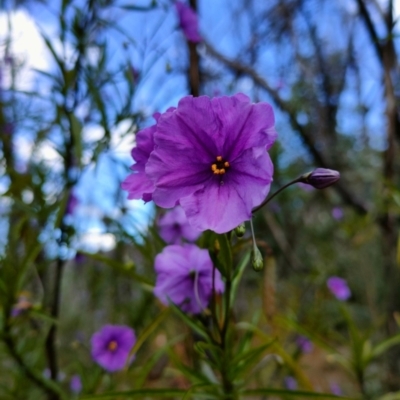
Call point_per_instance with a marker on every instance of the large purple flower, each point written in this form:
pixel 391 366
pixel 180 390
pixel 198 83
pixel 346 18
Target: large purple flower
pixel 210 156
pixel 111 346
pixel 184 277
pixel 339 288
pixel 174 227
pixel 188 21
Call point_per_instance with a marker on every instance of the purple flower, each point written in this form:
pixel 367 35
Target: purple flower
pixel 174 226
pixel 75 384
pixel 337 213
pixel 335 389
pixel 321 178
pixel 338 287
pixel 22 306
pixel 290 383
pixel 305 345
pixel 111 346
pixel 71 204
pixel 184 277
pixel 210 157
pixel 188 22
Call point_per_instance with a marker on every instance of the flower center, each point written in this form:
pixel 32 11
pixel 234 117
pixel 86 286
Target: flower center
pixel 220 166
pixel 113 345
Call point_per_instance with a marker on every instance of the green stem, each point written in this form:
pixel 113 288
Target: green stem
pixel 227 384
pixel 267 200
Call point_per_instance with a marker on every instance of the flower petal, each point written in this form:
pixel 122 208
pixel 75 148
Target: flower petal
pixel 223 207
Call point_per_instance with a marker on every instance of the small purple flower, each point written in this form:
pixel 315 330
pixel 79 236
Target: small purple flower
pixel 111 346
pixel 337 213
pixel 210 157
pixel 336 389
pixel 72 203
pixel 339 288
pixel 321 178
pixel 75 384
pixel 305 345
pixel 290 383
pixel 174 226
pixel 184 277
pixel 22 305
pixel 188 22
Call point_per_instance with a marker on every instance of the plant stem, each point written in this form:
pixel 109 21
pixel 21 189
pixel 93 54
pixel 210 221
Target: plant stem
pixel 227 384
pixel 267 200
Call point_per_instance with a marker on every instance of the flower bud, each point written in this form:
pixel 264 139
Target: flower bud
pixel 240 230
pixel 321 178
pixel 257 261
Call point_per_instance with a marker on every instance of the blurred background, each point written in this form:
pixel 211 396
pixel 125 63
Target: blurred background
pixel 79 78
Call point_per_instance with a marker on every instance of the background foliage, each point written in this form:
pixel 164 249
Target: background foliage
pixel 67 124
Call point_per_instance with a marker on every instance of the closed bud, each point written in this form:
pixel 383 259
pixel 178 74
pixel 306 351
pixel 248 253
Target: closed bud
pixel 321 178
pixel 240 230
pixel 257 261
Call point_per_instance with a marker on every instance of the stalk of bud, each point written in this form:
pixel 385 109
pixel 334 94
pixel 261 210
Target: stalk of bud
pixel 321 178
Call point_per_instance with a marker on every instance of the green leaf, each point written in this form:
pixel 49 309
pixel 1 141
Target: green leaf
pixel 138 8
pixel 194 388
pixel 148 331
pixel 243 362
pixel 390 396
pixel 238 275
pixel 53 52
pixel 385 346
pixel 278 349
pixel 138 393
pixel 191 323
pixel 119 267
pixel 225 253
pixel 290 393
pixel 76 132
pixel 194 375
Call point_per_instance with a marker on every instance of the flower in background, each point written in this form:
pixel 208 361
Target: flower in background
pixel 210 157
pixel 188 22
pixel 75 384
pixel 290 383
pixel 184 277
pixel 111 346
pixel 337 213
pixel 71 204
pixel 305 345
pixel 174 226
pixel 339 288
pixel 22 305
pixel 335 389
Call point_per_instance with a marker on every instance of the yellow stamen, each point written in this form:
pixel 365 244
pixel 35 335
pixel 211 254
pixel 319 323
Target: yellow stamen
pixel 222 171
pixel 214 167
pixel 217 172
pixel 112 346
pixel 219 158
pixel 226 164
